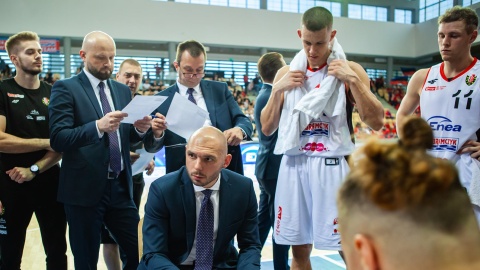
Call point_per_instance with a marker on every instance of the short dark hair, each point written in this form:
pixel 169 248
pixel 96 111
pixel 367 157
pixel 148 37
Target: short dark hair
pixel 195 48
pixel 269 64
pixel 14 41
pixel 458 13
pixel 317 18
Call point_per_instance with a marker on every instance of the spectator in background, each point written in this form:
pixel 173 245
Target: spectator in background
pixel 267 163
pixel 56 77
pixel 401 208
pixel 146 85
pixel 379 82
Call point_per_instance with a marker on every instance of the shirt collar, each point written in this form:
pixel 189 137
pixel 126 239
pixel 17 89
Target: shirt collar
pixel 216 186
pixel 182 89
pixel 94 81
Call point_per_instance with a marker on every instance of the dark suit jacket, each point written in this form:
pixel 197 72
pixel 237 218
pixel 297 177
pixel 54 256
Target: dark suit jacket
pixel 224 114
pixel 267 163
pixel 170 222
pixel 73 110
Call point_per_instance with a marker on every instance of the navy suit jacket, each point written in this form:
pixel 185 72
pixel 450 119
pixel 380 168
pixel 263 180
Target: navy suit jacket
pixel 267 163
pixel 170 222
pixel 73 110
pixel 224 113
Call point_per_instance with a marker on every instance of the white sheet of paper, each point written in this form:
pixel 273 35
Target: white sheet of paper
pixel 141 106
pixel 184 117
pixel 142 162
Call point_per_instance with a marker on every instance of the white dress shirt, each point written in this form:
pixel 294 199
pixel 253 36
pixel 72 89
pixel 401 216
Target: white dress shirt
pixel 198 96
pixel 214 198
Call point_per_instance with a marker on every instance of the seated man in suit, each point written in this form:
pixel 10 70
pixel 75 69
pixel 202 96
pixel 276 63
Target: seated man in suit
pixel 192 215
pixel 400 208
pixel 212 96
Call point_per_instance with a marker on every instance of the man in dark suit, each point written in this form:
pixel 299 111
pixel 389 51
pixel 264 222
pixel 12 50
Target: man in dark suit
pixel 267 163
pixel 173 213
pixel 96 177
pixel 212 96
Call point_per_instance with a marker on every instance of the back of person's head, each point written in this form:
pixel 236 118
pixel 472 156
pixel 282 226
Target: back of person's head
pixel 317 18
pixel 458 13
pixel 401 208
pixel 269 64
pixel 195 49
pixel 13 41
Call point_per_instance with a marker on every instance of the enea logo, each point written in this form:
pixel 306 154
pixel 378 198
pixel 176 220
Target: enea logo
pixel 441 123
pixel 15 95
pixel 317 129
pixel 470 79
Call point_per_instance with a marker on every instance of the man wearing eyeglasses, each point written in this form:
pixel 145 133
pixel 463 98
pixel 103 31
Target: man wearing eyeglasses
pixel 212 96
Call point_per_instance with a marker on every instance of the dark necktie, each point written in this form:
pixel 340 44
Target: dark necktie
pixel 115 156
pixel 204 245
pixel 190 95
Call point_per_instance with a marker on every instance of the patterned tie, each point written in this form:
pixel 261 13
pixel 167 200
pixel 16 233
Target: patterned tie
pixel 204 245
pixel 190 95
pixel 115 156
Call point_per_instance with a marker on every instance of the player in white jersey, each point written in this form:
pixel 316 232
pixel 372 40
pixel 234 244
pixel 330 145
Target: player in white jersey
pixel 448 95
pixel 309 178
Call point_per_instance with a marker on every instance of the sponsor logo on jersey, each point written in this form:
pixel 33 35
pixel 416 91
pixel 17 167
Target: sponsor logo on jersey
pixel 434 88
pixel 442 123
pixel 15 95
pixel 29 117
pixel 335 229
pixel 432 81
pixel 279 218
pixel 445 144
pixel 45 101
pixel 315 147
pixel 470 79
pixel 34 112
pixel 317 129
pixel 40 118
pixel 15 101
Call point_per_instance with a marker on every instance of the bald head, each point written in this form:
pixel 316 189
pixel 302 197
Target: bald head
pixel 206 156
pixel 98 54
pixel 212 135
pixel 96 38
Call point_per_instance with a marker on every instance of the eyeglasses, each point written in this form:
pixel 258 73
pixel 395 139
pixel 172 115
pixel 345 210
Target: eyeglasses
pixel 193 75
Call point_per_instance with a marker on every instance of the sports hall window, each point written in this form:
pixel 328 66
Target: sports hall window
pixel 364 12
pixel 403 16
pixel 430 9
pixel 470 2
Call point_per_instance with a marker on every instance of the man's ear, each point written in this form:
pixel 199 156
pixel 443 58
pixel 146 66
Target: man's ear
pixel 299 33
pixel 228 158
pixel 474 36
pixel 367 252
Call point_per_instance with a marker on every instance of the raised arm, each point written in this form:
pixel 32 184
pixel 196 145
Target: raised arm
pixel 369 107
pixel 411 100
pixel 284 80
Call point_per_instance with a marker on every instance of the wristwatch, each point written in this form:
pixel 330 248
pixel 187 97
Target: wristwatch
pixel 34 169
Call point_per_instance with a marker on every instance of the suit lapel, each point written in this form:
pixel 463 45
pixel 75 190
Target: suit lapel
pixel 223 210
pixel 189 207
pixel 209 98
pixel 87 87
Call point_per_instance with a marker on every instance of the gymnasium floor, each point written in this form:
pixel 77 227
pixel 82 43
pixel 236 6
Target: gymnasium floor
pixel 34 256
